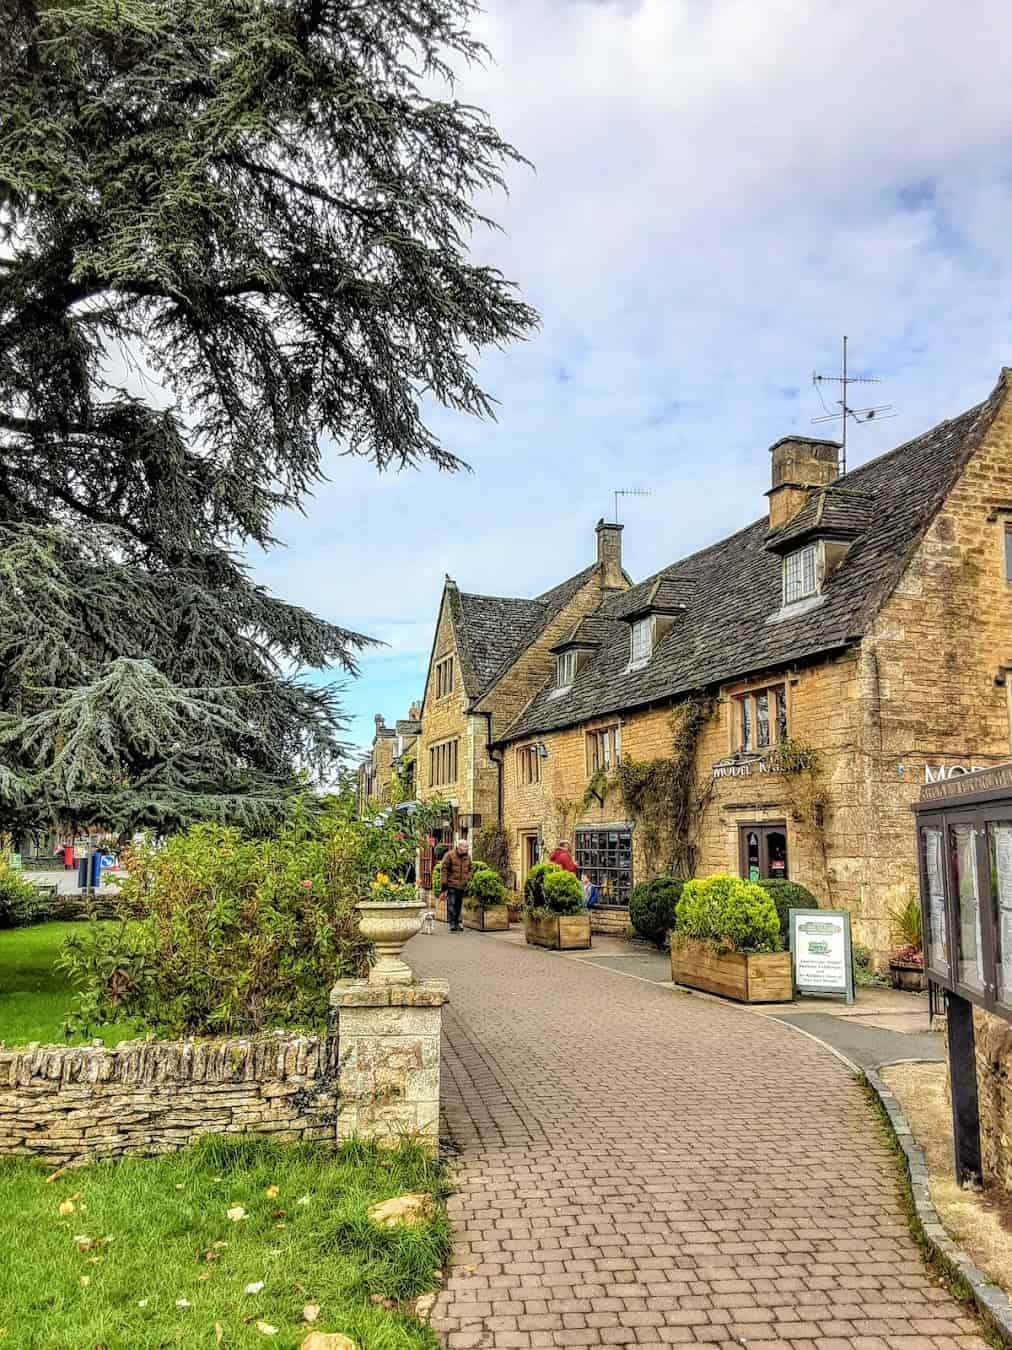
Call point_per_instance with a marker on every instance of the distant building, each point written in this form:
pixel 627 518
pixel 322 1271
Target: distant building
pixel 388 770
pixel 794 685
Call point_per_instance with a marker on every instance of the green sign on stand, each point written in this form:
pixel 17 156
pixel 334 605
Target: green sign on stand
pixel 821 952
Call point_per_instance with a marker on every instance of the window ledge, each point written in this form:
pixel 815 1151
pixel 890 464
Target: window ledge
pixel 636 665
pixel 560 689
pixel 796 608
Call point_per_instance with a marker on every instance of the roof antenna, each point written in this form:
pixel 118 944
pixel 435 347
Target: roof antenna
pixel 627 492
pixel 860 415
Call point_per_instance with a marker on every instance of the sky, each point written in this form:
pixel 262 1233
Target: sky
pixel 721 189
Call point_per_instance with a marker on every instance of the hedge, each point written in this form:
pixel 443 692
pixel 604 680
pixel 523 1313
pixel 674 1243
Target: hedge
pixel 652 908
pixel 735 915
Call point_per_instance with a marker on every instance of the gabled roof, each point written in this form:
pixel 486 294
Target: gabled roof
pixel 492 630
pixel 732 626
pixel 834 512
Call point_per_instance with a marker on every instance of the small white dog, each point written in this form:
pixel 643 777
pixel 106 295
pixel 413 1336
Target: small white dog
pixel 428 919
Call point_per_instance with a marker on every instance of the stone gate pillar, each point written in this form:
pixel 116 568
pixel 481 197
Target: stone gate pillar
pixel 388 1060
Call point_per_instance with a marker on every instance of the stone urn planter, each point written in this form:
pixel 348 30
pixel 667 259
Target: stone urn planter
pixel 558 932
pixel 490 919
pixel 389 925
pixel 762 977
pixel 906 975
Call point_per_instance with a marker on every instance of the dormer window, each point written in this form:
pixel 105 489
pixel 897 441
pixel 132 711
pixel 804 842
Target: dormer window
pixel 800 575
pixel 565 669
pixel 642 640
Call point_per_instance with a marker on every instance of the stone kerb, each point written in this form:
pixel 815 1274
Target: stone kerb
pixel 70 1104
pixel 388 1070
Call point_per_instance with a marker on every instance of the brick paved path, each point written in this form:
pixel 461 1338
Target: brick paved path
pixel 641 1167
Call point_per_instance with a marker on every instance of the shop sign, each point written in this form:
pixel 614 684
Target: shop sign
pixel 962 784
pixel 745 765
pixel 821 952
pixel 940 773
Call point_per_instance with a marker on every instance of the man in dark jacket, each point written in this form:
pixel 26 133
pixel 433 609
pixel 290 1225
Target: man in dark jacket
pixel 456 872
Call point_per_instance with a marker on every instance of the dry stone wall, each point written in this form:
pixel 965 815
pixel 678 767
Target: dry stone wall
pixel 69 1104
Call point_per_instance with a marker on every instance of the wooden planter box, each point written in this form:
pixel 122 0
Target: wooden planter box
pixel 904 976
pixel 495 919
pixel 762 978
pixel 560 932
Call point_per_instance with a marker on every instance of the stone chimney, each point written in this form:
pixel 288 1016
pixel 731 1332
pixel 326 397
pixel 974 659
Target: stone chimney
pixel 800 464
pixel 380 723
pixel 415 712
pixel 609 555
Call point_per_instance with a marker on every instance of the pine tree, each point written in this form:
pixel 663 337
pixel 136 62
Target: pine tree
pixel 228 228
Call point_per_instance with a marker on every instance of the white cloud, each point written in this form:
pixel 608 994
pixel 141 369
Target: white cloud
pixel 722 189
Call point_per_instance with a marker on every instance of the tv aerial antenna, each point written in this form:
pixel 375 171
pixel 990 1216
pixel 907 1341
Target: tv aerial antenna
pixel 627 492
pixel 847 413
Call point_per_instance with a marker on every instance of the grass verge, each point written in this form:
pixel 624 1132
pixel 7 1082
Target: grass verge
pixel 149 1257
pixel 35 997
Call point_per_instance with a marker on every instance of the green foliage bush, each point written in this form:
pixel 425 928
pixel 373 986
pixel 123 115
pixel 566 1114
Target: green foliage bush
pixel 563 892
pixel 735 915
pixel 486 889
pixel 235 933
pixel 20 903
pixel 534 885
pixel 652 907
pixel 788 895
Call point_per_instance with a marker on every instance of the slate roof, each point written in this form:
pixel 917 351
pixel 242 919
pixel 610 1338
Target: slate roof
pixel 408 726
pixel 834 512
pixel 492 630
pixel 730 628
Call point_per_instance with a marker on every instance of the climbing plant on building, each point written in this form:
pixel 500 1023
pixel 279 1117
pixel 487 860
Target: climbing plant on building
pixel 266 208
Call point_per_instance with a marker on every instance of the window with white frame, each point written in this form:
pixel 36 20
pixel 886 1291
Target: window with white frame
pixel 604 748
pixel 528 765
pixel 565 669
pixel 799 574
pixel 642 640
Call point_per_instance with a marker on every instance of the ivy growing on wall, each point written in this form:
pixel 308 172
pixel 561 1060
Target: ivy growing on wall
pixel 664 795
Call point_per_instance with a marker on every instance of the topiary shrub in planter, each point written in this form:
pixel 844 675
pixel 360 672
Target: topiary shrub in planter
pixel 485 901
pixel 788 895
pixel 728 942
pixel 554 912
pixel 652 908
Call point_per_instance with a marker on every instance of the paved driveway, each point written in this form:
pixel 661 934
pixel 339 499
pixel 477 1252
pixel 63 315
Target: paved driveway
pixel 639 1166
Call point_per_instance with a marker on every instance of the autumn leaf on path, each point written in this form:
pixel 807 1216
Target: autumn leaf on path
pixel 310 1312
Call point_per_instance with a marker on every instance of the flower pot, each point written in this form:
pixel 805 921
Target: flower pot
pixel 389 926
pixel 493 919
pixel 903 975
pixel 763 977
pixel 558 932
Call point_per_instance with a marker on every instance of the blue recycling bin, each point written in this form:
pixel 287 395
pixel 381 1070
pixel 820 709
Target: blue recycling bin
pixel 82 874
pixel 89 871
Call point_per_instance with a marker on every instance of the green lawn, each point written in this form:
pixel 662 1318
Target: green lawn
pixel 34 997
pixel 156 1232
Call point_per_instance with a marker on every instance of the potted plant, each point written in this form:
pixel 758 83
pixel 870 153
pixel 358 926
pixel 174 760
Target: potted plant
pixel 555 915
pixel 727 941
pixel 906 964
pixel 390 918
pixel 485 901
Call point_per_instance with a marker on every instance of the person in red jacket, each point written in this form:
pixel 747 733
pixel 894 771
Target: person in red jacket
pixel 561 855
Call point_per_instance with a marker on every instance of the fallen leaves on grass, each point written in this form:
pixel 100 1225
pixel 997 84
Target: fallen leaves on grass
pixel 265 1329
pixel 272 1191
pixel 66 1207
pixel 255 1287
pixel 310 1312
pixel 235 1213
pixel 183 1303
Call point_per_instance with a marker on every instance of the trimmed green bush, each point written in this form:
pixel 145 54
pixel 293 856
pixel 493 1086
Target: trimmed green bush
pixel 486 889
pixel 534 886
pixel 563 892
pixel 735 915
pixel 20 903
pixel 652 908
pixel 788 895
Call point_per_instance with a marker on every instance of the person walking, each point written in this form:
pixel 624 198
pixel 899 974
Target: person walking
pixel 456 873
pixel 562 856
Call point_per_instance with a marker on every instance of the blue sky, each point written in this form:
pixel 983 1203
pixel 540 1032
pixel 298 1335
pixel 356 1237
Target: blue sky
pixel 721 189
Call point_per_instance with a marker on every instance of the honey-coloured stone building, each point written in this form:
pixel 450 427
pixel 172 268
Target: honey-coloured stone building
pixel 770 705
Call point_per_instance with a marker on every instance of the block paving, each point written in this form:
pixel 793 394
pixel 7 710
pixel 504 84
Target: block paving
pixel 639 1166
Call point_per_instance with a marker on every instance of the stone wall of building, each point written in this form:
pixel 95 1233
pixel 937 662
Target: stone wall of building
pixel 69 1104
pixel 445 718
pixel 993 1038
